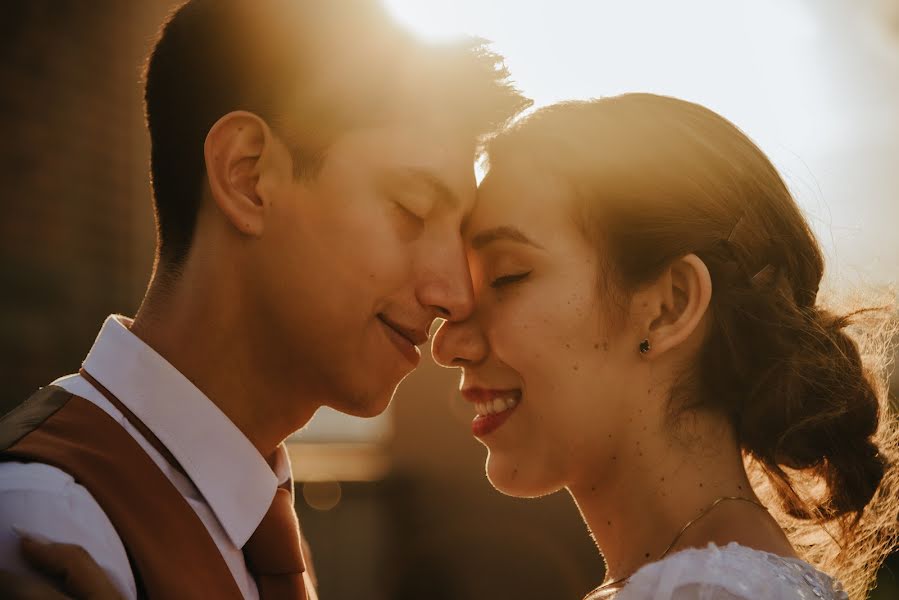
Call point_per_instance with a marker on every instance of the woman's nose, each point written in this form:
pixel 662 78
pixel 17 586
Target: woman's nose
pixel 459 344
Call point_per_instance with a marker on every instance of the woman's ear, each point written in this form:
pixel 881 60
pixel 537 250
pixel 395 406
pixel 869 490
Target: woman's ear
pixel 239 151
pixel 669 310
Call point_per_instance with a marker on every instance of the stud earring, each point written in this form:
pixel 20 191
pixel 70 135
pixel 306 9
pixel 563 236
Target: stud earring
pixel 645 346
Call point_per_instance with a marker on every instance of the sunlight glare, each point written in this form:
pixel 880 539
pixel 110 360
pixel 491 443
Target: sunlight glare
pixel 434 20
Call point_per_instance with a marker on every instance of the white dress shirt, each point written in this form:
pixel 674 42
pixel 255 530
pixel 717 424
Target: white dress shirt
pixel 231 486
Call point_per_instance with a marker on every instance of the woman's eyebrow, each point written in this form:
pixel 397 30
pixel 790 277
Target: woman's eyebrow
pixel 503 233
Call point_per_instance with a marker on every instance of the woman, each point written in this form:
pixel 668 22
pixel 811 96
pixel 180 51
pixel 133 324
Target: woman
pixel 647 337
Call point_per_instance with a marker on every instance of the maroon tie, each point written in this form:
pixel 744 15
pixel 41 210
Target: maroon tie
pixel 274 553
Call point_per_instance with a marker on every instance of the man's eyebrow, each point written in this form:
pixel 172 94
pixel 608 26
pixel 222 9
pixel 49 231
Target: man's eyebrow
pixel 427 178
pixel 507 233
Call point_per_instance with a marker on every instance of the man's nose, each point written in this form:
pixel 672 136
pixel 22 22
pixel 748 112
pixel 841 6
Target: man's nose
pixel 446 284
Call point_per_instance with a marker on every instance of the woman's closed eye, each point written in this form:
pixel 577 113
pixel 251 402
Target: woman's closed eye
pixel 505 280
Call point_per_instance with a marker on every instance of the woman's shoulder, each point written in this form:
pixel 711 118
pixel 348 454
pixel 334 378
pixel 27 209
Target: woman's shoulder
pixel 731 572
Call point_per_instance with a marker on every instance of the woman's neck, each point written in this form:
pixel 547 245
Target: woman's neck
pixel 636 503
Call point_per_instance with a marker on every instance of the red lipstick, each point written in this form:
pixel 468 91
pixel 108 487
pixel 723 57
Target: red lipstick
pixel 493 408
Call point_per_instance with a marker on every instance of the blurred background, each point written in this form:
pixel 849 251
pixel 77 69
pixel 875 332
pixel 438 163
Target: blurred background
pixel 398 507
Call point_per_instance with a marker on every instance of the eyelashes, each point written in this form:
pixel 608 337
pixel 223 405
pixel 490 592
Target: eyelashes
pixel 406 212
pixel 505 280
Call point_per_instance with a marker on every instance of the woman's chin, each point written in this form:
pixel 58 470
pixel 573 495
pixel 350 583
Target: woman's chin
pixel 515 479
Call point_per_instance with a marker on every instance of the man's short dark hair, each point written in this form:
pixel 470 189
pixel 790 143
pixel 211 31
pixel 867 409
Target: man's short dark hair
pixel 312 69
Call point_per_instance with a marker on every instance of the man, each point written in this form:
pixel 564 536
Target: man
pixel 311 168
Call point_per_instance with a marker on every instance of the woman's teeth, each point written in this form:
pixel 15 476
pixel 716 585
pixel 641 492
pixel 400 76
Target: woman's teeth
pixel 496 406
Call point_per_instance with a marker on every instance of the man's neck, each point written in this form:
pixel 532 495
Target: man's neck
pixel 212 344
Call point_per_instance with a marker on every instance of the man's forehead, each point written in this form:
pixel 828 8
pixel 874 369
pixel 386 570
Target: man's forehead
pixel 408 145
pixel 439 162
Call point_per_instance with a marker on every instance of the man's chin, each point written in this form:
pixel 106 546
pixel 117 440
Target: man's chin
pixel 365 406
pixel 367 411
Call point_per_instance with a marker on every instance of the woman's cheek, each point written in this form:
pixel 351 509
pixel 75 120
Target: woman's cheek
pixel 517 328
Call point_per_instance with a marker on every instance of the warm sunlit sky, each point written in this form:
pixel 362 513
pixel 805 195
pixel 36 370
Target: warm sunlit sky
pixel 774 66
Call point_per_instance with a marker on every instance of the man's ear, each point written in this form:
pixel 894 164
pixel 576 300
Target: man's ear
pixel 670 309
pixel 239 150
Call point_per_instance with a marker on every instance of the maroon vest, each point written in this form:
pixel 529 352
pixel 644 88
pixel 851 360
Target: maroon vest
pixel 171 552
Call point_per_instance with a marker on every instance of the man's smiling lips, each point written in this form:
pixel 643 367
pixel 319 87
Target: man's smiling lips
pixel 405 339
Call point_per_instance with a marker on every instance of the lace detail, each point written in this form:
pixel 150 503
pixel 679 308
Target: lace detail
pixel 731 572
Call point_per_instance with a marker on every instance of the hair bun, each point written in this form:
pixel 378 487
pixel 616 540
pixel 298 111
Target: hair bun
pixel 854 478
pixel 817 411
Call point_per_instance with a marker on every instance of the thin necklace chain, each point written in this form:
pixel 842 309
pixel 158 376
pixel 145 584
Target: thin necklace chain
pixel 705 511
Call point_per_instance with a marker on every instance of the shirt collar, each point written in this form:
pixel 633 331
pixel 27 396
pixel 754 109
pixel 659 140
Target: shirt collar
pixel 234 479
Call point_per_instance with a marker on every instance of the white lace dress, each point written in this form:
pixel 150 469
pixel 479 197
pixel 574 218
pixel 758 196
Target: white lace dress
pixel 731 572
